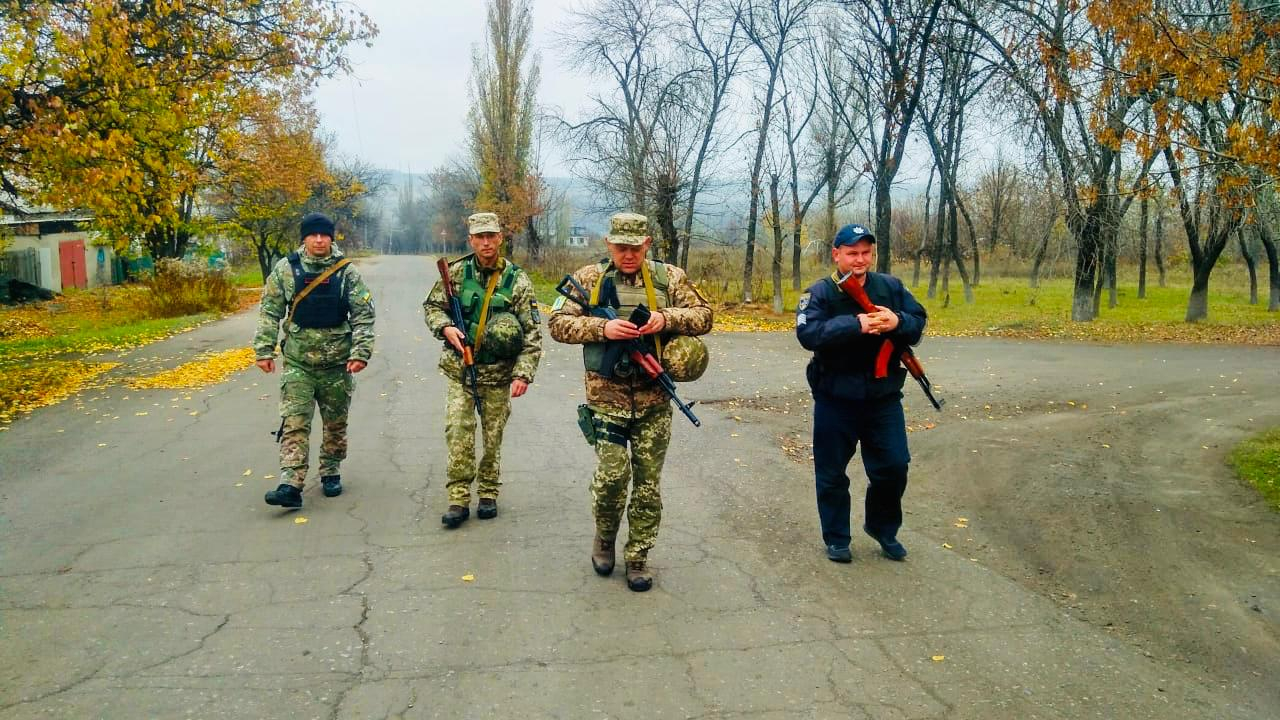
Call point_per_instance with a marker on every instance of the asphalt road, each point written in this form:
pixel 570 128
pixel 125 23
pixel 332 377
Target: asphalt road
pixel 141 575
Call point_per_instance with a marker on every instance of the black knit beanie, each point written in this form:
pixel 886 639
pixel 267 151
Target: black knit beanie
pixel 317 223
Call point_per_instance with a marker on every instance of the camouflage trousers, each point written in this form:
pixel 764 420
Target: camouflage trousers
pixel 302 388
pixel 460 437
pixel 639 466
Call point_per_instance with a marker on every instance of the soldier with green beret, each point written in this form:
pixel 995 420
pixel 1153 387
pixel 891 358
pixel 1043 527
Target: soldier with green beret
pixel 632 412
pixel 503 326
pixel 327 313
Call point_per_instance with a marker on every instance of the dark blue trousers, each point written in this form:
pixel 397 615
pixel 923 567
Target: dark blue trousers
pixel 838 427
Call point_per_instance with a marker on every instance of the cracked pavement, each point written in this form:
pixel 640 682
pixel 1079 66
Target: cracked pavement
pixel 141 574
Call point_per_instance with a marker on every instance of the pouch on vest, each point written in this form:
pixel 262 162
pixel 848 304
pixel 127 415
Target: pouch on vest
pixel 586 423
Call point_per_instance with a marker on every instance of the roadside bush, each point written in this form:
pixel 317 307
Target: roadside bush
pixel 183 288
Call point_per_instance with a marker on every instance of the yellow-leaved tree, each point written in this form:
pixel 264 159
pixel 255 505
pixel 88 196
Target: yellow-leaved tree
pixel 1208 70
pixel 126 108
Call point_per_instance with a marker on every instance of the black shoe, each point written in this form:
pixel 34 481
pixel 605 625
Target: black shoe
pixel 332 485
pixel 286 496
pixel 839 553
pixel 455 515
pixel 891 547
pixel 488 509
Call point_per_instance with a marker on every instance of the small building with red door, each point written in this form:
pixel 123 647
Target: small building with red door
pixel 54 249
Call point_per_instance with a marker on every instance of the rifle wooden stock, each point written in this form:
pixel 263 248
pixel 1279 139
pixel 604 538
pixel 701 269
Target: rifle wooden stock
pixel 850 285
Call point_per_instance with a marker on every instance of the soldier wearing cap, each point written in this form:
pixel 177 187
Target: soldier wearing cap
pixel 853 400
pixel 328 336
pixel 633 412
pixel 503 327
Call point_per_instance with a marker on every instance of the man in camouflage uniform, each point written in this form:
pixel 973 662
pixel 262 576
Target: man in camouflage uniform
pixel 328 336
pixel 628 408
pixel 503 328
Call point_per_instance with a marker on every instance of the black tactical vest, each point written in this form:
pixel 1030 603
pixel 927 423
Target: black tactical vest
pixel 326 305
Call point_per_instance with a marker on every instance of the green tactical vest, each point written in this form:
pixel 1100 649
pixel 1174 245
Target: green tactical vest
pixel 471 294
pixel 629 297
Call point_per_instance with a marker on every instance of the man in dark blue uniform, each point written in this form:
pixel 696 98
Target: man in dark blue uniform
pixel 856 377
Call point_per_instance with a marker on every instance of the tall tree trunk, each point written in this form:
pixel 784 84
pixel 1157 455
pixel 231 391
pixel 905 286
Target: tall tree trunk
pixel 1202 267
pixel 1089 237
pixel 664 214
pixel 1159 238
pixel 748 264
pixel 954 232
pixel 973 243
pixel 1273 263
pixel 1142 249
pixel 532 238
pixel 777 242
pixel 936 255
pixel 1249 263
pixel 1041 251
pixel 884 218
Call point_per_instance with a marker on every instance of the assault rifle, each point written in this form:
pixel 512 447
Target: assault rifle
pixel 640 354
pixel 850 285
pixel 459 319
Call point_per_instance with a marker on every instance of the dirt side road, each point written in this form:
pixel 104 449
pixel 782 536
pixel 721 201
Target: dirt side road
pixel 1093 475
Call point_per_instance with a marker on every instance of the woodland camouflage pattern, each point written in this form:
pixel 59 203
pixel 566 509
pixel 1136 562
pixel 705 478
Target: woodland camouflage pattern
pixel 314 371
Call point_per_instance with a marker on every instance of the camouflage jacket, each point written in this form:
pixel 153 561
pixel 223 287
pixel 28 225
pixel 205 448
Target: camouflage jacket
pixel 315 347
pixel 687 314
pixel 435 308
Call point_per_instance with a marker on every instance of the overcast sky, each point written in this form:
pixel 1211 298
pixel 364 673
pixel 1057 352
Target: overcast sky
pixel 405 105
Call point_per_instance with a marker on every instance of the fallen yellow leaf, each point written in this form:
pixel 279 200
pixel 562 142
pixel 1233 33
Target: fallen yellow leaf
pixel 247 473
pixel 938 658
pixel 299 521
pixel 102 444
pixel 468 578
pixel 946 545
pixel 268 477
pixel 239 484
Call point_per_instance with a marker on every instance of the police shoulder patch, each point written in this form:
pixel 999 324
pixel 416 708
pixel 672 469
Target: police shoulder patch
pixel 804 303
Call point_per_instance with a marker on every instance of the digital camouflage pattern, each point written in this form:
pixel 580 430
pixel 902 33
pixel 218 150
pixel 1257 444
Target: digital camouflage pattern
pixel 685 358
pixel 314 369
pixel 639 468
pixel 687 313
pixel 301 390
pixel 494 385
pixel 503 336
pixel 525 308
pixel 460 437
pixel 315 347
pixel 483 222
pixel 628 229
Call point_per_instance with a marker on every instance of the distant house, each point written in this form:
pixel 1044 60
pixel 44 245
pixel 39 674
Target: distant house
pixel 578 237
pixel 52 249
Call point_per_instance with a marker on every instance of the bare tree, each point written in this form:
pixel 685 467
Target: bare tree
pixel 889 50
pixel 774 28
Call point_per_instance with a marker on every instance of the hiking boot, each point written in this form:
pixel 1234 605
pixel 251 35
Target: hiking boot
pixel 332 485
pixel 639 579
pixel 839 553
pixel 286 496
pixel 602 557
pixel 487 509
pixel 890 545
pixel 454 516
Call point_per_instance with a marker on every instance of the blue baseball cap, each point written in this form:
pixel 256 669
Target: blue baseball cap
pixel 852 234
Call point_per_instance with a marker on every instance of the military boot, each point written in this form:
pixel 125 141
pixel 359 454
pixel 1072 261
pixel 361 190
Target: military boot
pixel 332 485
pixel 602 557
pixel 454 516
pixel 639 578
pixel 487 509
pixel 286 496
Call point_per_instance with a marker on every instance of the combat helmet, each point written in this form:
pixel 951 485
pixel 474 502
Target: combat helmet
pixel 685 358
pixel 503 337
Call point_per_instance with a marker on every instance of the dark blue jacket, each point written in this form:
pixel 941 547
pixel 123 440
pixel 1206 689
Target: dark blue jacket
pixel 843 363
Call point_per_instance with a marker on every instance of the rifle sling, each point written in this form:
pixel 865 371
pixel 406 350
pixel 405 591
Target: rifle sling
pixel 316 283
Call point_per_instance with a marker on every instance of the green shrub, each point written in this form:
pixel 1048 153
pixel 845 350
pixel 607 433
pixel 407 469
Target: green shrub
pixel 187 288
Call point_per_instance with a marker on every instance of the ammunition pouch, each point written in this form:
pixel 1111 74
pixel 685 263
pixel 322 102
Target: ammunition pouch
pixel 595 430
